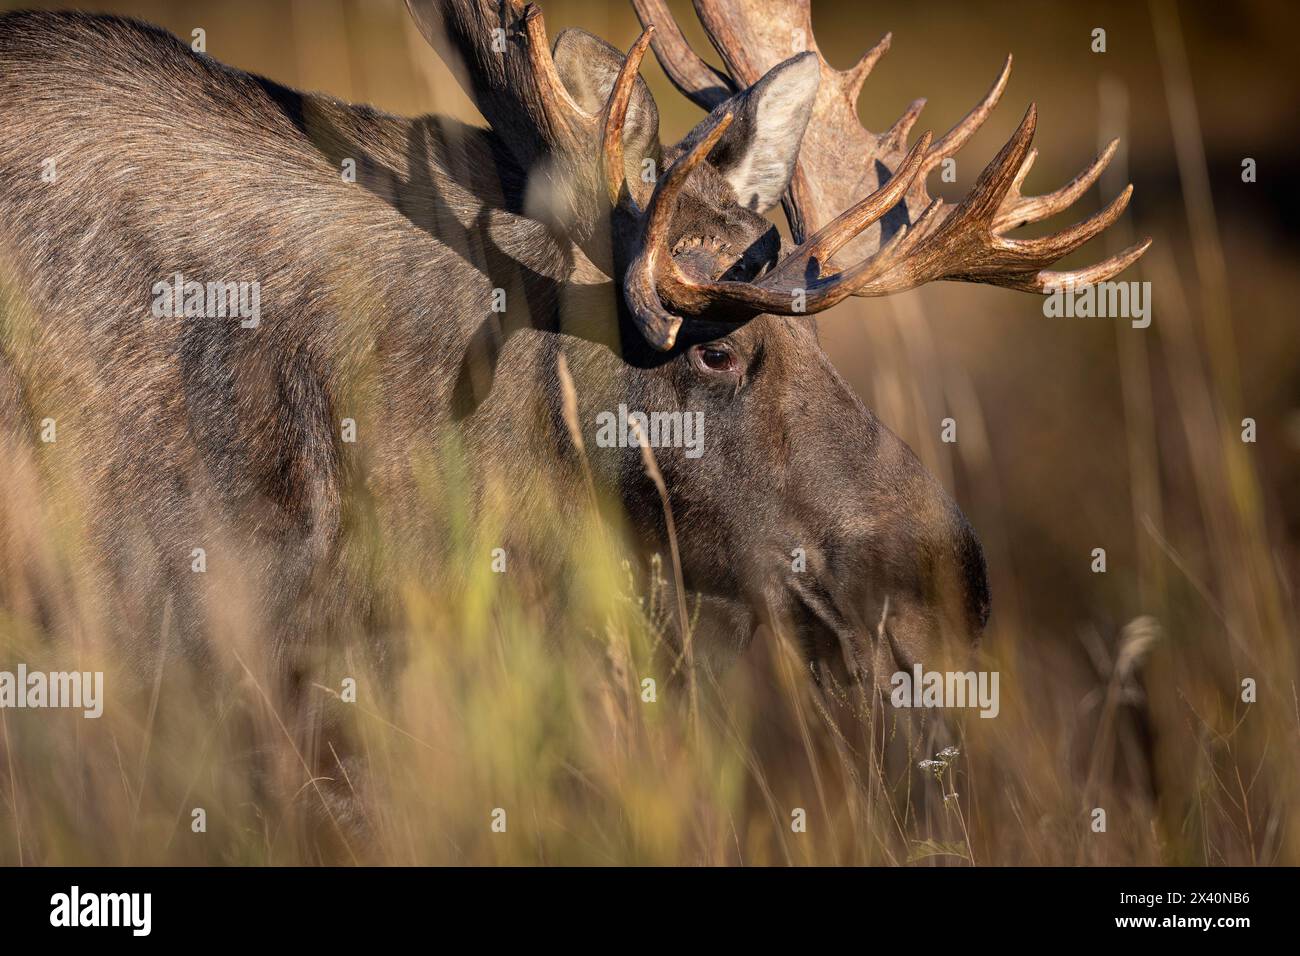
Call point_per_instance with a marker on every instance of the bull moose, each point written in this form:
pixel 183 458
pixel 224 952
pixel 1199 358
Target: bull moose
pixel 359 259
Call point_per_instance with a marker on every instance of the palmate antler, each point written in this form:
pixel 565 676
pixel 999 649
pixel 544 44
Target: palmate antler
pixel 517 86
pixel 840 161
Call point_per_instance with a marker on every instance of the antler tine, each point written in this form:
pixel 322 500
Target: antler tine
pixel 614 117
pixel 1024 210
pixel 986 196
pixel 897 134
pixel 562 112
pixel 517 89
pixel 1050 248
pixel 1047 281
pixel 1025 167
pixel 705 86
pixel 957 137
pixel 854 77
pixel 642 282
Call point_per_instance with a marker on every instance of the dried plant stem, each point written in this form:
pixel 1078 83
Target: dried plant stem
pixel 679 584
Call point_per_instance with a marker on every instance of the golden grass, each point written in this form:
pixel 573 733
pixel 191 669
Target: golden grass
pixel 536 707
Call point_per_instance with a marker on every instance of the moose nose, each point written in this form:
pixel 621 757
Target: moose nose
pixel 973 574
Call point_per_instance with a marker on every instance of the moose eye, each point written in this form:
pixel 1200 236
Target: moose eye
pixel 715 358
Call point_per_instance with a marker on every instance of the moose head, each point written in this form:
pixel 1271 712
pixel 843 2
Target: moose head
pixel 804 508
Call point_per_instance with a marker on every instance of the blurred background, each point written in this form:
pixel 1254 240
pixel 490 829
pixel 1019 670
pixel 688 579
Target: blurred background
pixel 1073 433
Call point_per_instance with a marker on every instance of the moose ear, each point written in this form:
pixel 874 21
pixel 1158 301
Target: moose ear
pixel 757 153
pixel 588 66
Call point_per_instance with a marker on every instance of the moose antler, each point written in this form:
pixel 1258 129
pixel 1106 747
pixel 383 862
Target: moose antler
pixel 500 54
pixel 895 238
pixel 840 160
pixel 655 276
pixel 511 74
